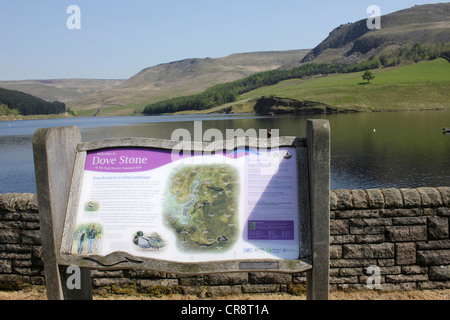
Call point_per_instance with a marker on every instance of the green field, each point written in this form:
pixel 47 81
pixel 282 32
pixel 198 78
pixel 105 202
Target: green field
pixel 424 85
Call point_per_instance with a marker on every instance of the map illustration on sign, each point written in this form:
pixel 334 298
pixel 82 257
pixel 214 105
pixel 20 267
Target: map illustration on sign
pixel 202 206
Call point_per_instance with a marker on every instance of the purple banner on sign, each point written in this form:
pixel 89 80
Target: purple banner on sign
pixel 139 159
pixel 270 230
pixel 126 159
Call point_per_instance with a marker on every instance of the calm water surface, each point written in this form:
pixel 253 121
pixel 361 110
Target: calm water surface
pixel 368 150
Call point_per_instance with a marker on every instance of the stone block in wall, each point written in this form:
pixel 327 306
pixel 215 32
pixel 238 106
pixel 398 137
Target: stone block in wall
pixel 344 199
pixel 36 256
pixel 22 263
pixel 386 262
pixel 408 286
pixel 23 200
pixel 218 291
pixel 11 281
pixel 411 198
pixel 107 273
pixel 333 201
pixel 11 224
pixel 268 277
pixel 392 198
pixel 430 197
pixel 335 251
pixel 406 233
pixel 37 281
pixel 10 216
pixel 376 198
pixel 375 230
pixel 10 236
pixel 349 214
pixel 5 266
pixel 433 257
pixel 226 279
pixel 351 287
pixel 445 195
pixel 30 217
pixel 143 285
pixel 339 227
pixel 433 285
pixel 349 263
pixel 403 221
pixel 18 248
pixel 345 272
pixel 411 212
pixel 369 238
pixel 401 278
pixel 8 202
pixel 439 273
pixel 360 199
pixel 438 228
pixel 362 251
pixel 12 202
pixel 388 270
pixel 104 282
pixel 300 278
pixel 341 239
pixel 405 253
pixel 143 274
pixel 191 280
pixel 341 279
pixel 31 237
pixel 429 212
pixel 414 270
pixel 260 288
pixel 192 290
pixel 433 244
pixel 334 271
pixel 443 212
pixel 370 222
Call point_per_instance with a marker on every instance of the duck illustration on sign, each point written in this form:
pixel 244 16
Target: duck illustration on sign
pixel 152 242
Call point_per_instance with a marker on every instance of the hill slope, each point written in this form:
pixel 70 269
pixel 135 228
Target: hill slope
pixel 354 42
pixel 425 85
pixel 181 78
pixel 63 90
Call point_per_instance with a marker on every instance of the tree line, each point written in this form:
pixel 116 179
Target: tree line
pixel 230 91
pixel 414 53
pixel 26 104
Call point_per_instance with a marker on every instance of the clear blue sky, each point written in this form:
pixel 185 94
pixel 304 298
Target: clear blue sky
pixel 119 38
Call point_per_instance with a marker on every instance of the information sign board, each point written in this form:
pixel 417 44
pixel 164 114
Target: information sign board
pixel 224 206
pixel 230 205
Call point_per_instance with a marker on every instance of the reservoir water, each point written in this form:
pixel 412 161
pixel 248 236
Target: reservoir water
pixel 368 150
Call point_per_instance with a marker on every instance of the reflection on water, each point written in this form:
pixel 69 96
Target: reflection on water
pixel 368 150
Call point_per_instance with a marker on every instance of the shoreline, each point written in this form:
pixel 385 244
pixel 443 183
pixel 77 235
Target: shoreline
pixel 5 118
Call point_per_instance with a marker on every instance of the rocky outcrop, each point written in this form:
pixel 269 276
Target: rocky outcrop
pixel 355 42
pixel 277 105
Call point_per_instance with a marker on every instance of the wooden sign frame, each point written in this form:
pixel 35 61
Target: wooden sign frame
pixel 59 163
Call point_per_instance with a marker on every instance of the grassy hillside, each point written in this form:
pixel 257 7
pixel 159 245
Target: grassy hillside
pixel 63 90
pixel 180 78
pixel 424 85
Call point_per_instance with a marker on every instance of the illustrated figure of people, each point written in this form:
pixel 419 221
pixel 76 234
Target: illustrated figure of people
pixel 81 241
pixel 91 235
pixel 98 243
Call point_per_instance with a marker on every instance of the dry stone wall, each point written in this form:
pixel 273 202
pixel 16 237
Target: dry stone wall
pixel 391 239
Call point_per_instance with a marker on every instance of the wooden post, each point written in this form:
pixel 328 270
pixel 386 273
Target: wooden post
pixel 318 144
pixel 54 151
